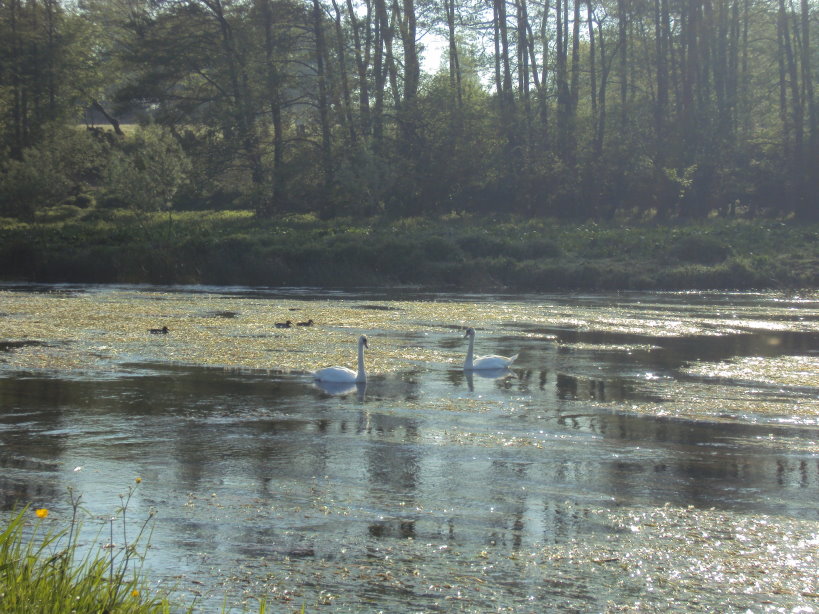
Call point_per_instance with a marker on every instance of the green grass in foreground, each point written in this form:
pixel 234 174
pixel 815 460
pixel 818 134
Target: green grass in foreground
pixel 42 571
pixel 458 251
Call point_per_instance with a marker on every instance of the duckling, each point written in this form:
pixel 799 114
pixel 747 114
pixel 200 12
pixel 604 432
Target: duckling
pixel 159 331
pixel 308 323
pixel 287 324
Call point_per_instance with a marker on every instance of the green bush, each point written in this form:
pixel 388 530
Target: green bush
pixel 699 249
pixel 483 245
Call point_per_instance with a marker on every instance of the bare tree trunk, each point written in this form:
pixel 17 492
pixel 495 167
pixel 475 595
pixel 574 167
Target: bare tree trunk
pixel 605 68
pixel 544 78
pixel 623 47
pixel 561 75
pixel 412 66
pixel 503 30
pixel 661 103
pixel 380 74
pixel 784 115
pixel 323 105
pixel 454 60
pixel 18 105
pixel 274 100
pixel 807 78
pixel 361 62
pixel 345 82
pixel 240 94
pixel 109 118
pixel 793 80
pixel 523 62
pixel 592 60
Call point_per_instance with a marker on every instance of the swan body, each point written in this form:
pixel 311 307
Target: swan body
pixel 484 362
pixel 343 374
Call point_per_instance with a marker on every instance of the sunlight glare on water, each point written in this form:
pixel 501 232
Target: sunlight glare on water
pixel 647 452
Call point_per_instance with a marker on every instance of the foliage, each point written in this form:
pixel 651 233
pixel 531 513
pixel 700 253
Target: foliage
pixel 147 171
pixel 53 172
pixel 675 111
pixel 457 251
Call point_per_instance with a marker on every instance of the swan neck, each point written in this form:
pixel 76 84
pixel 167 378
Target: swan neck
pixel 468 361
pixel 361 376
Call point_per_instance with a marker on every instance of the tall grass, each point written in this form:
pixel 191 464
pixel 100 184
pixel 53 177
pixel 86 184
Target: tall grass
pixel 44 569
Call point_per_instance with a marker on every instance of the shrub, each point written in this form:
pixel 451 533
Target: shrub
pixel 148 171
pixel 699 249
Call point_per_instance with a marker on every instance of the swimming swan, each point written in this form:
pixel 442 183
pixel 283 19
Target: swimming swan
pixel 343 374
pixel 484 362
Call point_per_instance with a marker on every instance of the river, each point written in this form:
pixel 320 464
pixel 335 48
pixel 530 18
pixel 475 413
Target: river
pixel 645 452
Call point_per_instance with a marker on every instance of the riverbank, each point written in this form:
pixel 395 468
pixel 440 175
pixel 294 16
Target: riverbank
pixel 457 252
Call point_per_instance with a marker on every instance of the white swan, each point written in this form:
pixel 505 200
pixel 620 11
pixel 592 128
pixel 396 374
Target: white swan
pixel 343 374
pixel 484 362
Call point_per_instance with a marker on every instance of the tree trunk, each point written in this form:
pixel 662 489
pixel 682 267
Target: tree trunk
pixel 412 66
pixel 622 44
pixel 345 82
pixel 273 96
pixel 323 105
pixel 661 102
pixel 109 118
pixel 454 60
pixel 361 62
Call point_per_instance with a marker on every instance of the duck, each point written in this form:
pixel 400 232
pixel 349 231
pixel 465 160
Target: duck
pixel 287 324
pixel 484 362
pixel 343 374
pixel 159 331
pixel 308 323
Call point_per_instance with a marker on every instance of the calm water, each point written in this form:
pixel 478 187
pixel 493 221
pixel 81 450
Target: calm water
pixel 647 452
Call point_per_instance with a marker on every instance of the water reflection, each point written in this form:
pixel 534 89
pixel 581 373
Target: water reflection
pixel 492 374
pixel 425 474
pixel 342 388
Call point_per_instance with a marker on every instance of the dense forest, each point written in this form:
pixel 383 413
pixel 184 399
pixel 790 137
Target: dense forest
pixel 581 110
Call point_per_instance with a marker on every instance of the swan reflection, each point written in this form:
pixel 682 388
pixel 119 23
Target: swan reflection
pixel 342 388
pixel 486 374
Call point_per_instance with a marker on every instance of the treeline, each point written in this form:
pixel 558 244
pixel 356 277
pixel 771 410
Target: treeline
pixel 582 109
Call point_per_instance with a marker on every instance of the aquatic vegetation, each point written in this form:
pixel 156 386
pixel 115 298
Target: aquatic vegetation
pixel 796 371
pixel 95 332
pixel 431 490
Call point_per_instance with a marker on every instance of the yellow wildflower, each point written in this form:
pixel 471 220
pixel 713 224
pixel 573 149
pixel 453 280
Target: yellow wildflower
pixel 41 513
pixel 135 593
pixel 138 480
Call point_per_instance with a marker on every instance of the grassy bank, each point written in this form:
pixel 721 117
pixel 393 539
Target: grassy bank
pixel 113 246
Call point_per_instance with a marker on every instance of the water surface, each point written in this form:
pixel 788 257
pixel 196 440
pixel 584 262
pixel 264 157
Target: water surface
pixel 646 452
